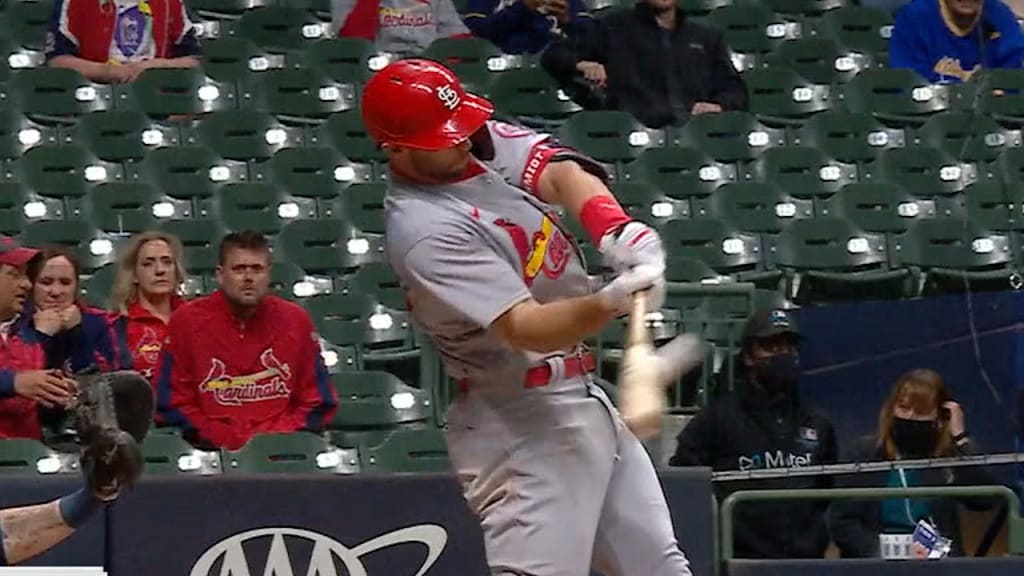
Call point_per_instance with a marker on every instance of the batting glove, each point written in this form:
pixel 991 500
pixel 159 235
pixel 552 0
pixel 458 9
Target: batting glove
pixel 619 292
pixel 635 244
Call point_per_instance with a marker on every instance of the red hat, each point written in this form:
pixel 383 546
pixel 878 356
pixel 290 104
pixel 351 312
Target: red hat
pixel 13 254
pixel 421 104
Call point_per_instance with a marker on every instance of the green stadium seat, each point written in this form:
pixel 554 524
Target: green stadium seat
pixel 362 205
pixel 339 359
pixel 28 23
pixel 859 29
pixel 345 133
pixel 317 173
pixel 25 206
pixel 200 240
pixel 897 95
pixel 328 245
pixel 344 60
pixel 186 172
pixel 166 453
pixel 13 198
pixel 829 259
pixel 261 207
pixel 234 59
pixel 804 7
pixel 56 95
pixel 819 60
pixel 609 135
pixel 687 270
pixel 968 136
pixel 758 207
pixel 1010 166
pixel 96 287
pixel 779 96
pixel 245 135
pixel 954 254
pixel 92 248
pixel 751 30
pixel 730 136
pixel 680 173
pixel 532 96
pixel 277 29
pixel 1002 98
pixel 852 137
pixel 995 205
pixel 172 92
pixel 475 61
pixel 63 172
pixel 414 450
pixel 878 207
pixel 358 320
pixel 701 8
pixel 646 202
pixel 120 207
pixel 303 95
pixel 7 49
pixel 294 453
pixel 286 279
pixel 224 8
pixel 121 135
pixel 802 171
pixel 25 457
pixel 379 280
pixel 371 399
pixel 18 133
pixel 723 248
pixel 923 171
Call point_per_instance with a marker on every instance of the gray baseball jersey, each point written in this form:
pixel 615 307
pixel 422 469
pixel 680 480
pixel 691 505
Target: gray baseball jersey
pixel 559 484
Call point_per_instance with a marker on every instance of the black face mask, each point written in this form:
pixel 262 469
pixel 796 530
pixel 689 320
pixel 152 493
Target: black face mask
pixel 914 438
pixel 777 373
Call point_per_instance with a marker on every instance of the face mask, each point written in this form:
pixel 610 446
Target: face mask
pixel 914 438
pixel 777 373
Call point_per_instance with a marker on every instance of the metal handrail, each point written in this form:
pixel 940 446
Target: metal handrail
pixel 1015 525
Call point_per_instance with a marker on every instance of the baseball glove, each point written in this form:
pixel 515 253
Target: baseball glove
pixel 111 416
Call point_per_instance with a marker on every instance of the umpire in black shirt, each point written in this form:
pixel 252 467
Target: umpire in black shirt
pixel 763 424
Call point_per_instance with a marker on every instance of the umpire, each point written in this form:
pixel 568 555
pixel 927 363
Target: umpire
pixel 763 424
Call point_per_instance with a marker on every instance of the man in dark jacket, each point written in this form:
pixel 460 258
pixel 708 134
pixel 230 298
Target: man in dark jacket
pixel 762 425
pixel 651 62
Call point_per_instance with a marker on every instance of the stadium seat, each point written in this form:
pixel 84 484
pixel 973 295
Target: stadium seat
pixel 358 320
pixel 608 135
pixel 646 202
pixel 802 171
pixel 56 95
pixel 167 453
pixel 829 259
pixel 328 246
pixel 878 207
pixel 345 133
pixel 730 136
pixel 186 172
pixel 852 137
pixel 925 172
pixel 200 240
pixel 319 173
pixel 723 248
pixel 234 59
pixel 897 95
pixel 92 248
pixel 1000 96
pixel 780 96
pixel 295 453
pixel 373 399
pixel 344 60
pixel 66 173
pixel 287 279
pixel 96 287
pixel 687 270
pixel 1010 166
pixel 379 280
pixel 299 95
pixel 277 29
pixel 25 457
pixel 362 205
pixel 13 198
pixel 968 136
pixel 952 254
pixel 476 61
pixel 261 207
pixel 121 135
pixel 995 205
pixel 127 208
pixel 681 173
pixel 532 96
pixel 701 8
pixel 751 30
pixel 758 207
pixel 859 29
pixel 245 135
pixel 819 60
pixel 28 23
pixel 421 450
pixel 804 7
pixel 18 133
pixel 171 92
pixel 224 8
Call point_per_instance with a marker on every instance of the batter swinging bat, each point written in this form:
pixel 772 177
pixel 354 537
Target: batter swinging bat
pixel 646 371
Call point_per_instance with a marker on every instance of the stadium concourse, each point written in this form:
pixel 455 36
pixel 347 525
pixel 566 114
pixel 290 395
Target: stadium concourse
pixel 847 183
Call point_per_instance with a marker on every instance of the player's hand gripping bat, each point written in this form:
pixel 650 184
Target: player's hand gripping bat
pixel 646 371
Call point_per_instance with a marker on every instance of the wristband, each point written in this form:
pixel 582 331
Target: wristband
pixel 76 508
pixel 601 214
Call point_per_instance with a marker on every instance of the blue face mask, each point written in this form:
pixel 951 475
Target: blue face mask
pixel 777 373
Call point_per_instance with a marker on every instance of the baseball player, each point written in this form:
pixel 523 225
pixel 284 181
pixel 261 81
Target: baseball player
pixel 560 485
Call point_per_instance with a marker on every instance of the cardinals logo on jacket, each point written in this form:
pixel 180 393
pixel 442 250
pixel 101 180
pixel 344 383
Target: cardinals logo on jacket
pixel 547 251
pixel 230 390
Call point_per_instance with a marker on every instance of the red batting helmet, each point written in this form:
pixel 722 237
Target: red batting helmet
pixel 421 104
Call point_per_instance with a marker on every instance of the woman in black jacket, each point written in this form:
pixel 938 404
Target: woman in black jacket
pixel 919 420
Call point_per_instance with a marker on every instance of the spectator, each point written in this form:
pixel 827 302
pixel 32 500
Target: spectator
pixel 947 41
pixel 242 361
pixel 146 291
pixel 77 337
pixel 918 420
pixel 24 381
pixel 402 27
pixel 651 62
pixel 764 425
pixel 526 26
pixel 113 41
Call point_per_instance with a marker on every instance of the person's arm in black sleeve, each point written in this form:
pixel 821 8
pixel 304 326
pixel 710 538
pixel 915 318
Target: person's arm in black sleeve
pixel 729 89
pixel 975 476
pixel 849 520
pixel 695 445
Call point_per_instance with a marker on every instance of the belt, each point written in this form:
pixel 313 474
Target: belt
pixel 540 376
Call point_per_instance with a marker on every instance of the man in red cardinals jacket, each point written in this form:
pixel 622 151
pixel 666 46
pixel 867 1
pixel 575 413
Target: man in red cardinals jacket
pixel 241 362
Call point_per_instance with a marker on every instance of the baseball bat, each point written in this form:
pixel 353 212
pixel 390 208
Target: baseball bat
pixel 641 391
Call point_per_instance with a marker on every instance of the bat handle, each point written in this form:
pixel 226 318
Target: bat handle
pixel 637 332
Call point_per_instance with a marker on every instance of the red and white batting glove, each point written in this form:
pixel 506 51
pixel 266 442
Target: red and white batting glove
pixel 634 244
pixel 619 292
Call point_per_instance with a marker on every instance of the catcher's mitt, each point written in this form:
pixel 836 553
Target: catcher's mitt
pixel 111 414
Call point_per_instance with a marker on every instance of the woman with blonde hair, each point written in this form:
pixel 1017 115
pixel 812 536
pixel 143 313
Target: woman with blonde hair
pixel 919 420
pixel 147 289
